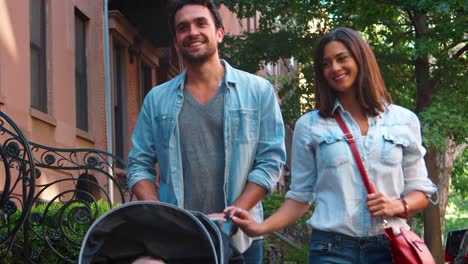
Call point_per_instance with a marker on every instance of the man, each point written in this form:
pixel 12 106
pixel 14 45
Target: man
pixel 215 131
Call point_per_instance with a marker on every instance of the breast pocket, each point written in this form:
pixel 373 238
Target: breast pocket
pixel 392 149
pixel 244 125
pixel 332 152
pixel 163 127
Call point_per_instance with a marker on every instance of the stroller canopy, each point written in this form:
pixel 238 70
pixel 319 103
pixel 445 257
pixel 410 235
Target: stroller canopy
pixel 157 230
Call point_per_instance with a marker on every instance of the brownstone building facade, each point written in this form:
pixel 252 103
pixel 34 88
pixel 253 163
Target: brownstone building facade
pixel 73 73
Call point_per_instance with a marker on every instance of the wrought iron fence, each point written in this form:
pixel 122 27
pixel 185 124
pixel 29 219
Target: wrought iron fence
pixel 50 196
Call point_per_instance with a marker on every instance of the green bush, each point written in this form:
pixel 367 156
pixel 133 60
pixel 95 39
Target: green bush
pixel 56 231
pixel 290 254
pixel 456 216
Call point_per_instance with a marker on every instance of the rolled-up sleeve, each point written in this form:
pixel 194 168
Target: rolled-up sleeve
pixel 142 157
pixel 414 168
pixel 303 171
pixel 271 152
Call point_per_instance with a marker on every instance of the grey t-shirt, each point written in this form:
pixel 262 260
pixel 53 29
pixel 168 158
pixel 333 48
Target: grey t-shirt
pixel 202 152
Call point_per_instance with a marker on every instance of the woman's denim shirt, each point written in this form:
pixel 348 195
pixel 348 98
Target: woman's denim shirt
pixel 324 170
pixel 253 138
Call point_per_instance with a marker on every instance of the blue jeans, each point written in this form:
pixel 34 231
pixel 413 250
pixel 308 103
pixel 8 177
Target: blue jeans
pixel 329 247
pixel 254 254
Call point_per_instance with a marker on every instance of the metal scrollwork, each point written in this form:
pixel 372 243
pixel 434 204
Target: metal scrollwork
pixel 49 159
pixel 12 150
pixel 81 215
pixel 16 184
pixel 92 161
pixel 9 208
pixel 36 218
pixel 54 213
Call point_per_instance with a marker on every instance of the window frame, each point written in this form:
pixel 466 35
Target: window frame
pixel 145 85
pixel 38 84
pixel 81 72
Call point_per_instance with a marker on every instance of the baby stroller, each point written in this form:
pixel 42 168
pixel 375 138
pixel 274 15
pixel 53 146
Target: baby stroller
pixel 160 231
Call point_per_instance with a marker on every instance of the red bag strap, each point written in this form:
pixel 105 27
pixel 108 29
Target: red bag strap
pixel 352 144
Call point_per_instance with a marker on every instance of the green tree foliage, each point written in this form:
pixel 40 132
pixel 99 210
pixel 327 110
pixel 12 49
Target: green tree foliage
pixel 457 215
pixel 421 47
pixel 460 178
pixel 291 28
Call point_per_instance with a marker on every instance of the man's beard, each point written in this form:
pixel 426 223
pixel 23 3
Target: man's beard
pixel 200 57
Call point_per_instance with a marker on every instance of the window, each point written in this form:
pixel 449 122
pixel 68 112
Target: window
pixel 146 80
pixel 38 55
pixel 119 107
pixel 81 81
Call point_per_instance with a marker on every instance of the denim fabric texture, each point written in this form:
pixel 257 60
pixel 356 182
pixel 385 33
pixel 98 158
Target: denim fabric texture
pixel 328 247
pixel 253 139
pixel 254 254
pixel 324 170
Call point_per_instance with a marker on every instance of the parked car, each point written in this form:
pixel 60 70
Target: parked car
pixel 456 247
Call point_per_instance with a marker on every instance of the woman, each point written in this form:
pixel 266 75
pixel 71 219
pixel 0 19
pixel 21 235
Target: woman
pixel 347 222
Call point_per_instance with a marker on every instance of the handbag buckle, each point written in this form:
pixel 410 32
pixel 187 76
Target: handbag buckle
pixel 384 223
pixel 349 137
pixel 416 245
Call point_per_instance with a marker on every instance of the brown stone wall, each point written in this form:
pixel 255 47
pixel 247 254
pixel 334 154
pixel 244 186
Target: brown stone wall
pixel 57 127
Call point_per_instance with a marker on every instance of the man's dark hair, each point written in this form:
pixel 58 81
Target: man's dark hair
pixel 178 4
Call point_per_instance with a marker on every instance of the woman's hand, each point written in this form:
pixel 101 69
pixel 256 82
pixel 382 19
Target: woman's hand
pixel 244 221
pixel 380 205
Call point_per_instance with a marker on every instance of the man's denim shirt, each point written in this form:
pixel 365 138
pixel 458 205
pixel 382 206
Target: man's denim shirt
pixel 324 170
pixel 253 138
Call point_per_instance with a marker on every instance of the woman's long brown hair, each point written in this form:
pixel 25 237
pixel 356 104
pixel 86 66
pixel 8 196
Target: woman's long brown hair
pixel 370 87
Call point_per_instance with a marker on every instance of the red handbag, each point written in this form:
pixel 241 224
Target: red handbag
pixel 406 247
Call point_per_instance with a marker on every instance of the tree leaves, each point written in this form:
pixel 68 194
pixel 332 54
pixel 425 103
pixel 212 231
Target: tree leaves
pixel 292 29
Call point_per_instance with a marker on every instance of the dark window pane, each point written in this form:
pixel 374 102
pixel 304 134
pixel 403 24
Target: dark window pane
pixel 81 103
pixel 36 21
pixel 146 79
pixel 35 77
pixel 38 55
pixel 37 83
pixel 81 82
pixel 118 103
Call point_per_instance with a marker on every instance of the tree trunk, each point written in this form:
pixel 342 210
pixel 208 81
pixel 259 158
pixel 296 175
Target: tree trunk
pixel 432 216
pixel 445 162
pixel 424 82
pixel 433 221
pixel 439 165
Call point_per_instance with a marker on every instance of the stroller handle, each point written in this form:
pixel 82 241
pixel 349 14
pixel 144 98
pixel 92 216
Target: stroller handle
pixel 226 225
pixel 229 227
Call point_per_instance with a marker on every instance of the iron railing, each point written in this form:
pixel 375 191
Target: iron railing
pixel 50 196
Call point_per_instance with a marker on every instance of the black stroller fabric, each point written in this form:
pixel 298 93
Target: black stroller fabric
pixel 158 230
